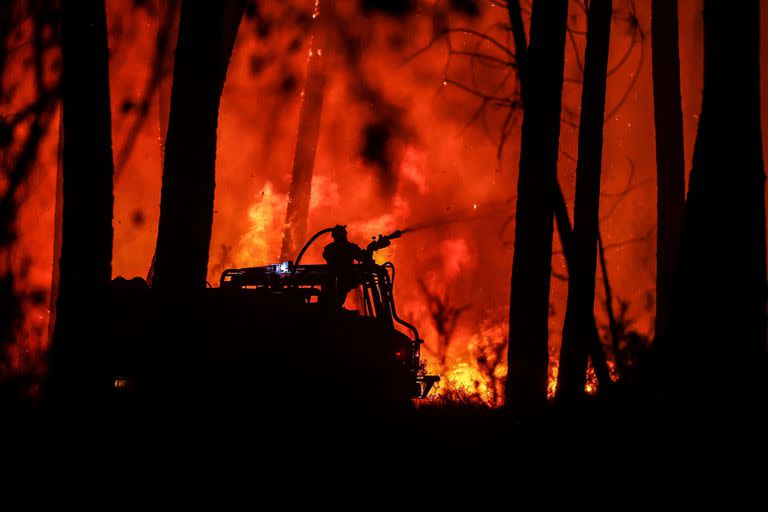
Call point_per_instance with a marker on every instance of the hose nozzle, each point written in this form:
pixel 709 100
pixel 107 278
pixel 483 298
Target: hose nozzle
pixel 384 241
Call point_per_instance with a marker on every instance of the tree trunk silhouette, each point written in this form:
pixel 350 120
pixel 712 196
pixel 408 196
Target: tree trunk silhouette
pixel 579 315
pixel 528 354
pixel 207 32
pixel 521 45
pixel 719 327
pixel 86 245
pixel 670 157
pixel 564 229
pixel 295 231
pixel 613 326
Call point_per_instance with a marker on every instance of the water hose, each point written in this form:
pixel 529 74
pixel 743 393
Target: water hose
pixel 306 246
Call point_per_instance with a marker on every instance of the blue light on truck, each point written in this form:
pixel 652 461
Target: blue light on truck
pixel 280 268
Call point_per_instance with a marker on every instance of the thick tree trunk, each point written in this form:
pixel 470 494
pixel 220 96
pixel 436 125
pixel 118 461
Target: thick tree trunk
pixel 719 323
pixel 579 318
pixel 86 245
pixel 670 159
pixel 207 32
pixel 528 354
pixel 297 214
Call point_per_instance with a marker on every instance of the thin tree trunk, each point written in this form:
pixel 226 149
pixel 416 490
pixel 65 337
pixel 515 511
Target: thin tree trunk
pixel 297 214
pixel 613 327
pixel 207 32
pixel 596 352
pixel 528 354
pixel 57 226
pixel 564 229
pixel 719 327
pixel 670 158
pixel 579 315
pixel 86 245
pixel 521 46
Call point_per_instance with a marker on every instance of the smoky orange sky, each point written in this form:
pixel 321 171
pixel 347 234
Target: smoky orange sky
pixel 437 162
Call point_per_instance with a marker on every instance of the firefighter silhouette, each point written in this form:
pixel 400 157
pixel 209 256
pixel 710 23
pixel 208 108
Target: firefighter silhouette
pixel 341 256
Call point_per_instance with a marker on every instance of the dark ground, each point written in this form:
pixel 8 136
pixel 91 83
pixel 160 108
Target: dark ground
pixel 619 454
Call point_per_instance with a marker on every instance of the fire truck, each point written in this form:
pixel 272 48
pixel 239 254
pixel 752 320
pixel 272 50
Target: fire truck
pixel 273 331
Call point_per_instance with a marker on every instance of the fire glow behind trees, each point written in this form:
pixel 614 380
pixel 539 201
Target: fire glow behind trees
pixel 398 143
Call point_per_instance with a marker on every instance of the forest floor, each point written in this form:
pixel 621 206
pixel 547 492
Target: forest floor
pixel 602 455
